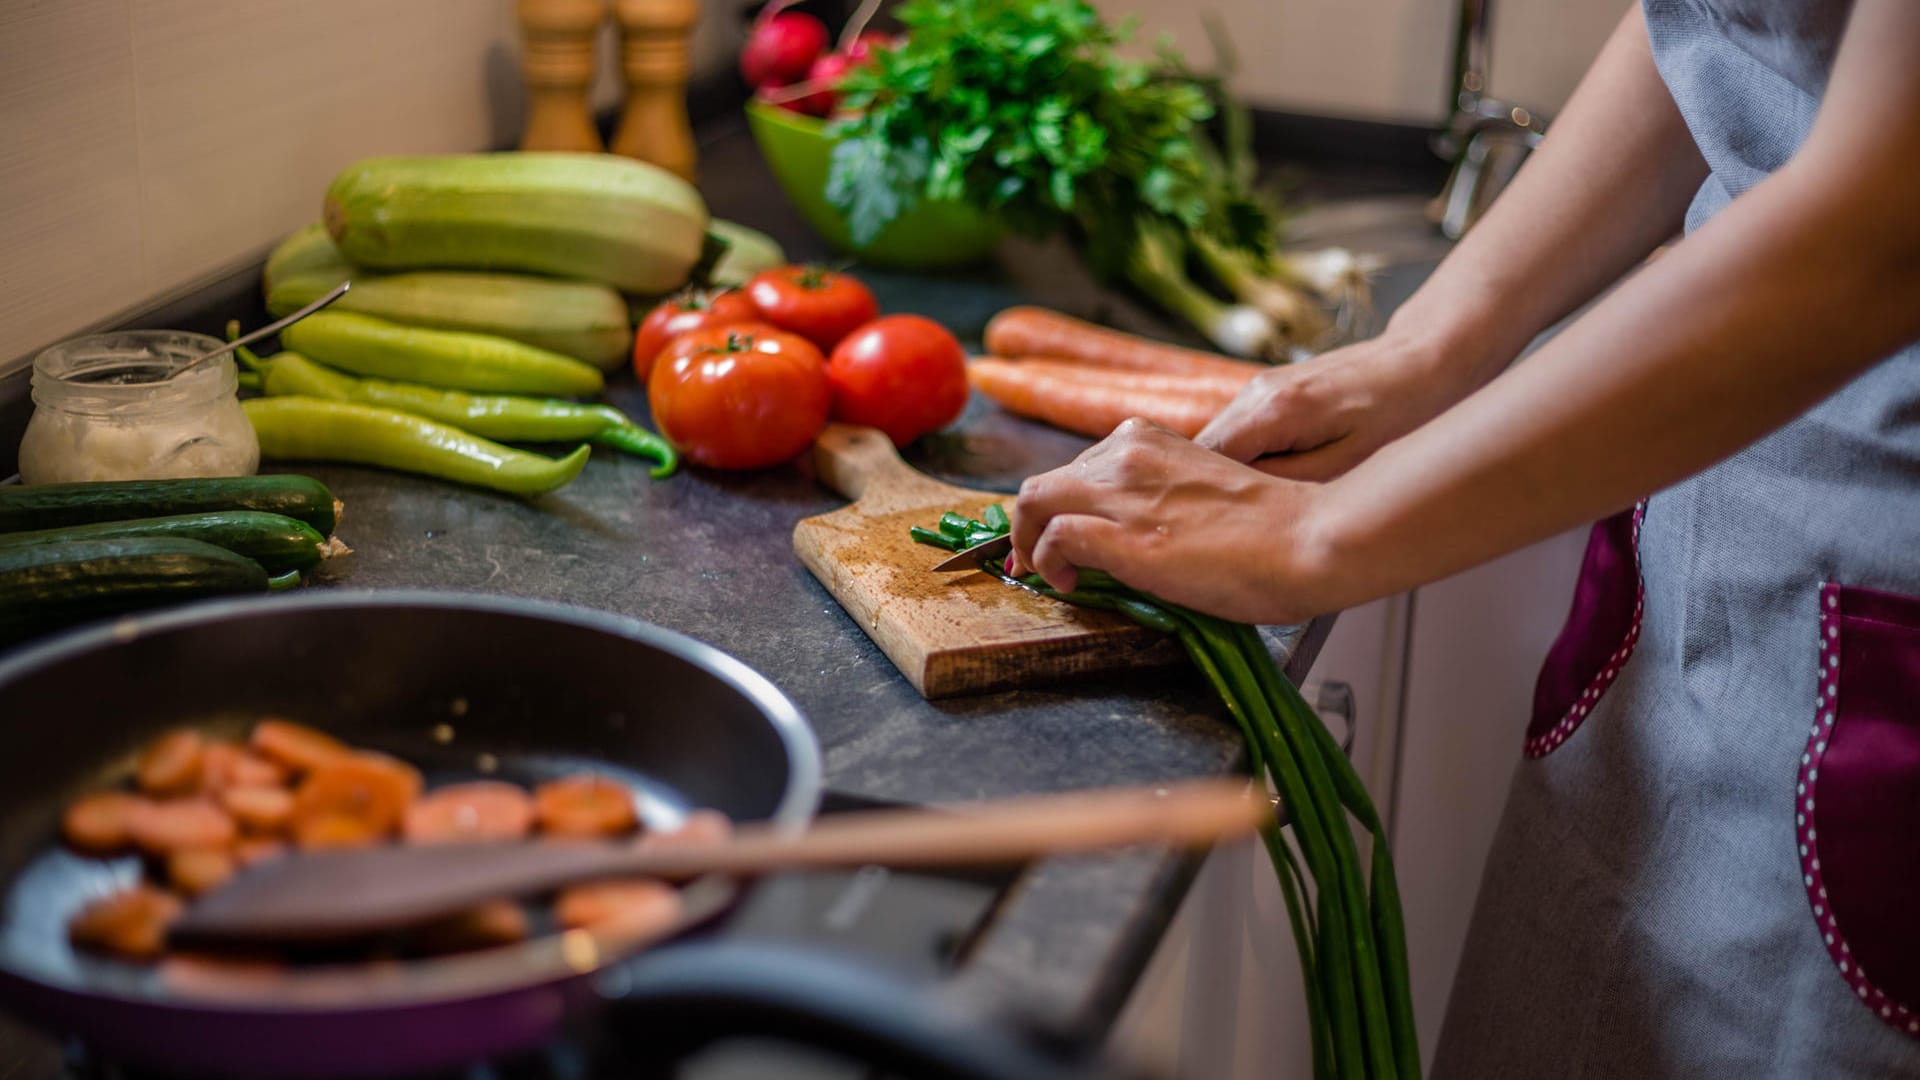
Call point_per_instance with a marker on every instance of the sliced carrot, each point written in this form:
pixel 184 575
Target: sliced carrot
pixel 497 922
pixel 356 799
pixel 1084 406
pixel 632 907
pixel 1037 331
pixel 198 870
pixel 131 923
pixel 296 746
pixel 230 765
pixel 162 828
pixel 481 810
pixel 257 849
pixel 259 809
pixel 220 972
pixel 701 827
pixel 101 824
pixel 585 805
pixel 171 764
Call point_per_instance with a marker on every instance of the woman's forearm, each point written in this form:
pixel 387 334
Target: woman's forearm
pixel 1795 288
pixel 1610 183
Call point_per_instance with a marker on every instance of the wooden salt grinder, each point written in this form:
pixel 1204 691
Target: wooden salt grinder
pixel 556 61
pixel 656 56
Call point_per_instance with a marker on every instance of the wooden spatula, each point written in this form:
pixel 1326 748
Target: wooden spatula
pixel 331 896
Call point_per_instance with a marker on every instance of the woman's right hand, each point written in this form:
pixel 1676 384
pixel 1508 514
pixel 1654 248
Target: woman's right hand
pixel 1317 418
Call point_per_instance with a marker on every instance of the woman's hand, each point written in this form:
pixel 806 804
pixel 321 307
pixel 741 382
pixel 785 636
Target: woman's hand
pixel 1182 523
pixel 1316 419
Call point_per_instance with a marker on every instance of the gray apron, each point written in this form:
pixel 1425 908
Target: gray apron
pixel 1709 864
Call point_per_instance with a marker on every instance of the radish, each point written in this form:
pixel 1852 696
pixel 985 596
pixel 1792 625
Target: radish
pixel 782 48
pixel 824 77
pixel 869 42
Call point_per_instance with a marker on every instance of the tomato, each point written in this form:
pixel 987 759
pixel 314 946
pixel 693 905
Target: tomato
pixel 903 374
pixel 820 305
pixel 739 397
pixel 690 310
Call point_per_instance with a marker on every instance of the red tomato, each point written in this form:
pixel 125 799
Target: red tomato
pixel 739 397
pixel 819 305
pixel 689 310
pixel 903 374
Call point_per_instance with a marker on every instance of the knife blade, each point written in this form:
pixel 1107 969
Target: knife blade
pixel 973 557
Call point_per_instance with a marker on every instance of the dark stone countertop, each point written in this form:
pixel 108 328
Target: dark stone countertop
pixel 709 555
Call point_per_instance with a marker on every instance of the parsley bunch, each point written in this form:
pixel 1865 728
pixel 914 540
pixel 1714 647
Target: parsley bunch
pixel 1022 109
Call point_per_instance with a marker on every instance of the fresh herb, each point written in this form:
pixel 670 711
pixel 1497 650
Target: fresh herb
pixel 1346 920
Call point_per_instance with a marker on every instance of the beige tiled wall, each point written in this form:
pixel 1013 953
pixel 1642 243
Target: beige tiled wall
pixel 148 144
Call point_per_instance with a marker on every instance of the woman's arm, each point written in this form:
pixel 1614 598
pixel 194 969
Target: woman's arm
pixel 1611 182
pixel 1802 283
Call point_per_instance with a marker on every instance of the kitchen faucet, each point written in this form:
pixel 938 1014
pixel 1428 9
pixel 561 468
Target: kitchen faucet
pixel 1486 138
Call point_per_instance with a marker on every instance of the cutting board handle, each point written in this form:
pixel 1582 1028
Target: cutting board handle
pixel 855 460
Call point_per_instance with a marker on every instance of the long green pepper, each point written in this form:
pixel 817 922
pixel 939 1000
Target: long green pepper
pixel 1351 938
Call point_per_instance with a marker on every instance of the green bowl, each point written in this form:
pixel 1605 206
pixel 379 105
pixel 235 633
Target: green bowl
pixel 931 236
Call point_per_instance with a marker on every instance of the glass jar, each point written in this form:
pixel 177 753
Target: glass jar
pixel 110 407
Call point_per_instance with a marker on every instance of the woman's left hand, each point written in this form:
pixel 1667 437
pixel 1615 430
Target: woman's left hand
pixel 1176 521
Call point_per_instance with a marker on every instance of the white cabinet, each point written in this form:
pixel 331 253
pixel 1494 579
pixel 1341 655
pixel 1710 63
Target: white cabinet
pixel 1442 680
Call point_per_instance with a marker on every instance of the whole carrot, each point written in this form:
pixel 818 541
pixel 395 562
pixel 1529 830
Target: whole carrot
pixel 1088 406
pixel 1205 384
pixel 1037 331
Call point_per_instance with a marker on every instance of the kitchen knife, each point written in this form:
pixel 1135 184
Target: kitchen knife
pixel 974 557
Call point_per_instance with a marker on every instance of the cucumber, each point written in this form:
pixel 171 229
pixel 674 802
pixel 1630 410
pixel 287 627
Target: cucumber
pixel 277 542
pixel 594 217
pixel 573 318
pixel 45 586
pixel 56 506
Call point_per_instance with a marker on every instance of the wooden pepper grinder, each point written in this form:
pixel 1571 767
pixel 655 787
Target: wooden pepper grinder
pixel 556 61
pixel 656 57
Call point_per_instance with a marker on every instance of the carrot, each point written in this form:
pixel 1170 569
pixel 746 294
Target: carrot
pixel 171 764
pixel 198 870
pixel 1222 387
pixel 584 806
pixel 353 800
pixel 162 828
pixel 1037 331
pixel 131 923
pixel 497 922
pixel 630 908
pixel 701 827
pixel 259 809
pixel 220 972
pixel 257 849
pixel 230 765
pixel 481 810
pixel 100 824
pixel 1090 408
pixel 296 746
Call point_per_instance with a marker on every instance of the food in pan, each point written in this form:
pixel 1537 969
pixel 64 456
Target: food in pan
pixel 199 810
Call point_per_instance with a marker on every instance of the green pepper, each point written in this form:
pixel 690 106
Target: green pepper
pixel 490 416
pixel 315 429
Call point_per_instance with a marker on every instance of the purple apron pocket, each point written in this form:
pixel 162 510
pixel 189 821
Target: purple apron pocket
pixel 1857 838
pixel 1600 633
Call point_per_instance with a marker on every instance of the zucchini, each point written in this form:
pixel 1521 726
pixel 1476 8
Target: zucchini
pixel 749 251
pixel 55 506
pixel 277 542
pixel 44 586
pixel 597 217
pixel 574 318
pixel 451 359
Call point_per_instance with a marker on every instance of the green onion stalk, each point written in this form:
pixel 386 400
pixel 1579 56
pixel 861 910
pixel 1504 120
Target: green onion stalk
pixel 1296 314
pixel 1157 267
pixel 1345 916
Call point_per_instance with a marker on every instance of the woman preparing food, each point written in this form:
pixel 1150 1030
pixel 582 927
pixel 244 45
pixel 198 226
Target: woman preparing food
pixel 1706 866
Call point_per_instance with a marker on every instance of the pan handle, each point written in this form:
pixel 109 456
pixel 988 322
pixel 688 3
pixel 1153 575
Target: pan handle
pixel 678 1000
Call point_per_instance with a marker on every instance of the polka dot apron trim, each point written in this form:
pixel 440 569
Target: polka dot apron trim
pixel 1827 707
pixel 1545 742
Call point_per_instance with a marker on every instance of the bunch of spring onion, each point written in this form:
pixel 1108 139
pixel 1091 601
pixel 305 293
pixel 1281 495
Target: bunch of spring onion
pixel 1346 921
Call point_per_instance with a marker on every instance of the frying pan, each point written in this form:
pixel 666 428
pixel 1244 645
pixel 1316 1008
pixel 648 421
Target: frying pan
pixel 463 686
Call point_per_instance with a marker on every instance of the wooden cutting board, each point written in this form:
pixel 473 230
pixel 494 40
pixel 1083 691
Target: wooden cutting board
pixel 953 633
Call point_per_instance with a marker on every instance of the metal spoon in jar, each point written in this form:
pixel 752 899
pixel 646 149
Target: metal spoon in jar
pixel 339 291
